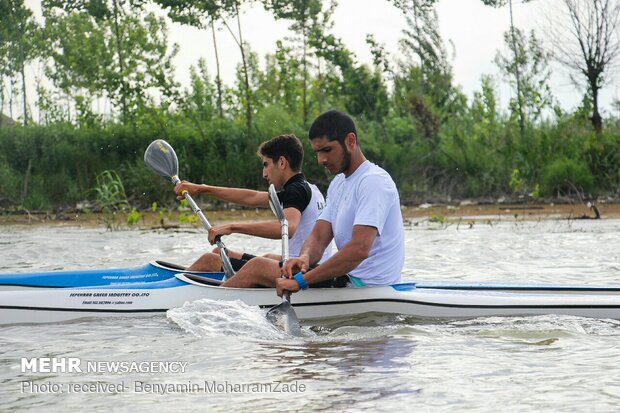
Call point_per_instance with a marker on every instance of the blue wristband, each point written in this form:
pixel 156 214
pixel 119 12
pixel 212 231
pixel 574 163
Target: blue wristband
pixel 300 280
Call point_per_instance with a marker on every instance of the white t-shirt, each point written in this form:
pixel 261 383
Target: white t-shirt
pixel 308 199
pixel 306 224
pixel 369 197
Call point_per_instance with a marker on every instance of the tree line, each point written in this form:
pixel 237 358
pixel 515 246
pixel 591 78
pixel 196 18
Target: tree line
pixel 105 88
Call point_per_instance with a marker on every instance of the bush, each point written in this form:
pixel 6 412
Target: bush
pixel 476 155
pixel 9 186
pixel 567 176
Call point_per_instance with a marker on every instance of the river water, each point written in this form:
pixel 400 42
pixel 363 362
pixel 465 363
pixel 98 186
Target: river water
pixel 226 357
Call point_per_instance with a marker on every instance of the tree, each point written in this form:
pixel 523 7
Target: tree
pixel 304 14
pixel 527 68
pixel 80 57
pixel 423 80
pixel 197 14
pixel 511 38
pixel 123 58
pixel 196 103
pixel 19 43
pixel 245 64
pixel 200 14
pixel 380 57
pixel 361 91
pixel 281 82
pixel 586 41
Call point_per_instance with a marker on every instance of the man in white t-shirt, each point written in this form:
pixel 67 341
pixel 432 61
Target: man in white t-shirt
pixel 362 215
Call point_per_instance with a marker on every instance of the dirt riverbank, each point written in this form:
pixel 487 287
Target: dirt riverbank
pixel 443 213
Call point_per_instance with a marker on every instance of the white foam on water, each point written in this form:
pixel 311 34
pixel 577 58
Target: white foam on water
pixel 213 318
pixel 352 333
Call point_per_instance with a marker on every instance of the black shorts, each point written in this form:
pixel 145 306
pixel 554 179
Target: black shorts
pixel 336 282
pixel 237 263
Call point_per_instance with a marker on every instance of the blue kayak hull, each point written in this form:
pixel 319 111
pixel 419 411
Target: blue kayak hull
pixel 151 272
pixel 157 287
pixel 157 271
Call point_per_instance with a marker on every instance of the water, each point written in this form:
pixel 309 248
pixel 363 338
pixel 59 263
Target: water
pixel 376 363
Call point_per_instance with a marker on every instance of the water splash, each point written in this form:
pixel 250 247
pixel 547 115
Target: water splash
pixel 212 318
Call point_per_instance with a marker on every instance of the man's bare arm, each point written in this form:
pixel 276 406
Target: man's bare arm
pixel 347 258
pixel 241 196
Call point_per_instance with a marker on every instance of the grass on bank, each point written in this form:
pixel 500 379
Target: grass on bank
pixel 155 217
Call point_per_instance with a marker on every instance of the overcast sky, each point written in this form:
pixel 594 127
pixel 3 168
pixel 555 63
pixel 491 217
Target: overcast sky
pixel 475 30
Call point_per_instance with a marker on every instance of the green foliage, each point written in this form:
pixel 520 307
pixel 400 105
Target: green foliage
pixel 133 217
pixel 567 176
pixel 198 13
pixel 603 159
pixel 188 218
pixel 35 202
pixel 9 189
pixel 20 42
pixel 109 191
pixel 438 218
pixel 516 182
pixel 198 102
pixel 411 118
pixel 110 196
pixel 476 154
pixel 112 54
pixel 527 69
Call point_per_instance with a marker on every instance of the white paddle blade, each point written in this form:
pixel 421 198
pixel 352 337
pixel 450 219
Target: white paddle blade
pixel 274 203
pixel 161 158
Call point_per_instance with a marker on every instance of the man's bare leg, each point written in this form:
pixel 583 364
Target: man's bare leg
pixel 258 272
pixel 231 253
pixel 210 261
pixel 239 255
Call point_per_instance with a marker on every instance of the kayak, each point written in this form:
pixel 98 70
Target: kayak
pixel 150 272
pixel 159 286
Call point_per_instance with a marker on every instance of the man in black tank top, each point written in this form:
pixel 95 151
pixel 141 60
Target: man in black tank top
pixel 282 158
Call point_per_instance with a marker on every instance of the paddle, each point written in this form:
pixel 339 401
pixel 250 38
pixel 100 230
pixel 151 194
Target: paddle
pixel 283 314
pixel 161 158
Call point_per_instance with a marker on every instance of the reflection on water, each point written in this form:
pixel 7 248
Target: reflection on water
pixel 374 362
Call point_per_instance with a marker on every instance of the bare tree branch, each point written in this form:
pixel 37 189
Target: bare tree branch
pixel 585 39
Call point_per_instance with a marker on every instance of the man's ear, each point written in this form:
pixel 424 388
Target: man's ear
pixel 350 140
pixel 282 162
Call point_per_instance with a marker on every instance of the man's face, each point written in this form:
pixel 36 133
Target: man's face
pixel 335 157
pixel 272 172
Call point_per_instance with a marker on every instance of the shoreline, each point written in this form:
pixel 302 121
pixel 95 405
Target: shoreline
pixel 436 213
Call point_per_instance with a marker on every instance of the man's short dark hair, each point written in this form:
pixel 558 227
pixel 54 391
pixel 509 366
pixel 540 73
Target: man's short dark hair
pixel 288 146
pixel 332 125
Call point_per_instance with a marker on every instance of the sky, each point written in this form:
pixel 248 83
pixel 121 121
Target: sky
pixel 474 30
